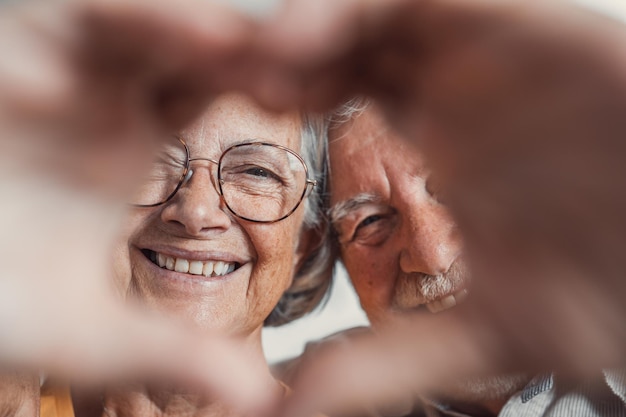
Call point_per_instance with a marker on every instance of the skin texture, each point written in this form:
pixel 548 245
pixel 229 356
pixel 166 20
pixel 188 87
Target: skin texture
pixel 196 225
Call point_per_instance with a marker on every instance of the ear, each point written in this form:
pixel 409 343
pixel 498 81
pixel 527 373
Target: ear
pixel 310 240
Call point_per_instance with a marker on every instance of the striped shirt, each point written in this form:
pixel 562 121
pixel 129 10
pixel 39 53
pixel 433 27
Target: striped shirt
pixel 550 396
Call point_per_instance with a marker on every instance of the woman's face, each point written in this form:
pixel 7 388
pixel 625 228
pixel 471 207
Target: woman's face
pixel 196 226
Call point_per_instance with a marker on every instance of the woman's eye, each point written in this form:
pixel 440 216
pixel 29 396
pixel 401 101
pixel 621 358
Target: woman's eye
pixel 258 172
pixel 261 173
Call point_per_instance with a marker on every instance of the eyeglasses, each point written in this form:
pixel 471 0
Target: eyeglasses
pixel 258 181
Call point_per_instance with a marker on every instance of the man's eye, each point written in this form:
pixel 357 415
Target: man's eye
pixel 373 230
pixel 369 220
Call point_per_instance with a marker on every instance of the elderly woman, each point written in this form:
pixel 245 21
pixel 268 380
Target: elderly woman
pixel 226 233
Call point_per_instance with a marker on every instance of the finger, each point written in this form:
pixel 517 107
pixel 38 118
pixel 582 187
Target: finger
pixel 129 345
pixel 164 51
pixel 388 371
pixel 539 228
pixel 312 55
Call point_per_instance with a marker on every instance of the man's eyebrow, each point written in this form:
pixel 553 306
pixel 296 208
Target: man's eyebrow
pixel 340 210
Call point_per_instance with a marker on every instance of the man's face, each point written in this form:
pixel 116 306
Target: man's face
pixel 398 242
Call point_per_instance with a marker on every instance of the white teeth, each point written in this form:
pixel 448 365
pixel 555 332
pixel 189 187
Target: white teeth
pixel 161 260
pixel 447 302
pixel 182 265
pixel 208 268
pixel 195 267
pixel 434 306
pixel 218 269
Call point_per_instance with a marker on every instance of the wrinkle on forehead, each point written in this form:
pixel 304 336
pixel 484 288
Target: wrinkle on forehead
pixel 346 131
pixel 202 127
pixel 233 118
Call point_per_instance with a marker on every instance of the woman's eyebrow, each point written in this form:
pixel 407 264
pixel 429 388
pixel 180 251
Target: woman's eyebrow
pixel 340 210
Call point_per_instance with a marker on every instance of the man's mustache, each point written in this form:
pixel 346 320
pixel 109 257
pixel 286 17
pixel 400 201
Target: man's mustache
pixel 425 288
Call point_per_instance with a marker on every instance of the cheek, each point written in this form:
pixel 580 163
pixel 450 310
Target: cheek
pixel 371 274
pixel 121 272
pixel 275 247
pixel 122 264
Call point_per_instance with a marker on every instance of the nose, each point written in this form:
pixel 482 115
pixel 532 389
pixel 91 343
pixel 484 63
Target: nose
pixel 430 242
pixel 197 206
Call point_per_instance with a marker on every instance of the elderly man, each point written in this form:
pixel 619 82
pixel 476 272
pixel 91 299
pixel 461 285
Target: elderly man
pixel 396 239
pixel 403 253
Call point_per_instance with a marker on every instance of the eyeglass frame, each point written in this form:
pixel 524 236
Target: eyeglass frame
pixel 308 187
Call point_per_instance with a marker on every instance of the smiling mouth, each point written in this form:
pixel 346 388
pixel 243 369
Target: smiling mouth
pixel 208 268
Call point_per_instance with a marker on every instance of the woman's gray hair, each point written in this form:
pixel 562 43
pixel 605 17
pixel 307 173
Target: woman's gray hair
pixel 312 281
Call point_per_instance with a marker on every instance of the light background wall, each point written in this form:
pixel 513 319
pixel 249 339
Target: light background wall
pixel 615 8
pixel 343 311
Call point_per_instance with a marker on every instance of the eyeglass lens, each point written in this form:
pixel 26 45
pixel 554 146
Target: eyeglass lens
pixel 165 174
pixel 259 182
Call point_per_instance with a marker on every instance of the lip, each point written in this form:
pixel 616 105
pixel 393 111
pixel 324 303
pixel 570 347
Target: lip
pixel 196 255
pixel 183 282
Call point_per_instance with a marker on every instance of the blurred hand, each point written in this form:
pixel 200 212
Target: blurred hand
pixel 87 89
pixel 519 107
